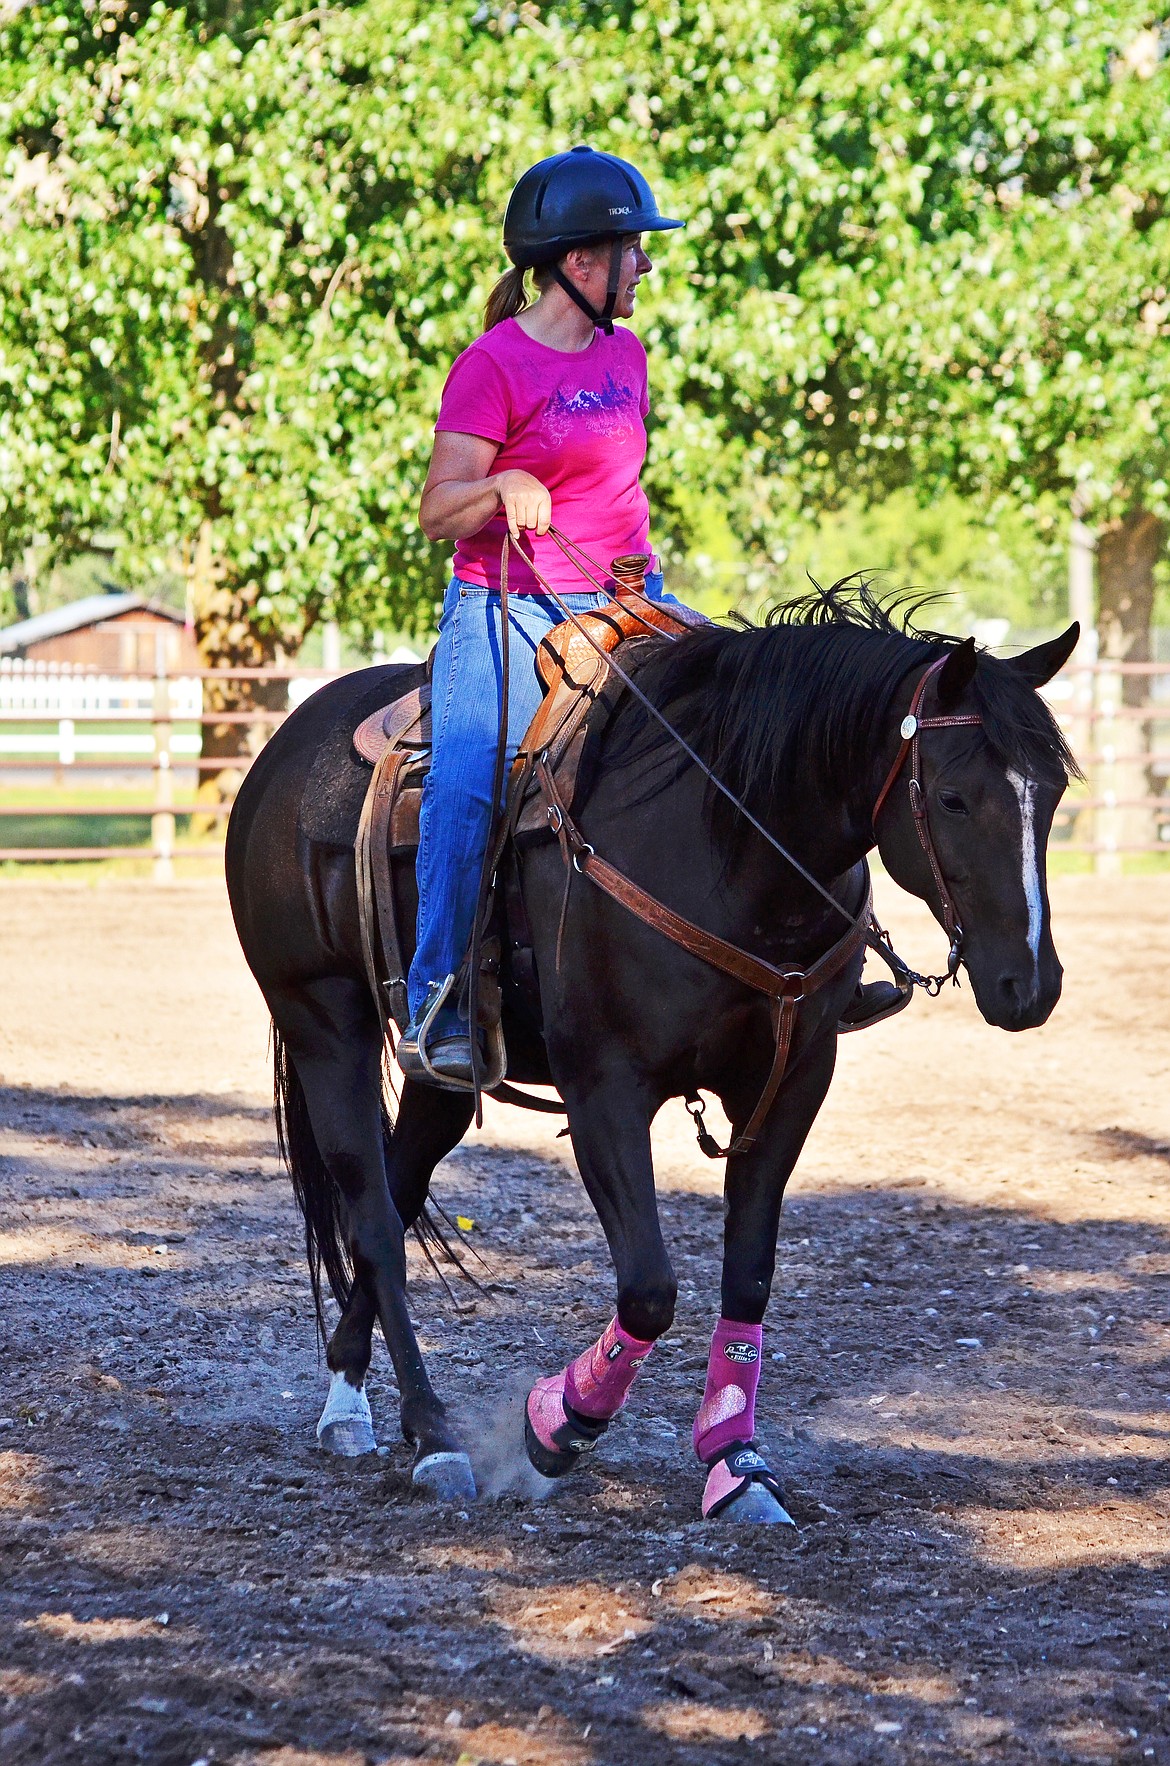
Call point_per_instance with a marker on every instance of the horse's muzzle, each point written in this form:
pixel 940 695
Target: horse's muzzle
pixel 1018 1001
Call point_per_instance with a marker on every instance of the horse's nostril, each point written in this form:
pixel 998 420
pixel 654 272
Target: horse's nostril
pixel 1017 994
pixel 1012 991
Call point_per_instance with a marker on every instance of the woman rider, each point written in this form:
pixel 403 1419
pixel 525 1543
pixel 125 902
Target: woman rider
pixel 550 402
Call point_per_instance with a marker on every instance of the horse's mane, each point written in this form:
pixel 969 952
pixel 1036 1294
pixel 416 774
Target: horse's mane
pixel 803 694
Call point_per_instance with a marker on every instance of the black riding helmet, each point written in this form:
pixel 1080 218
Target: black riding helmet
pixel 579 198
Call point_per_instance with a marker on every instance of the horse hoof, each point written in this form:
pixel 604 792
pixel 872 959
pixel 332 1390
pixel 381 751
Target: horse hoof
pixel 756 1507
pixel 346 1426
pixel 742 1487
pixel 349 1438
pixel 445 1477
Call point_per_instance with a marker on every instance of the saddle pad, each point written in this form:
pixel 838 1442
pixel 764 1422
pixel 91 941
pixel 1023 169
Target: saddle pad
pixel 336 785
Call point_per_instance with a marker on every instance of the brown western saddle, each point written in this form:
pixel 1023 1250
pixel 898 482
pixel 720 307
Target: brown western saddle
pixel 396 742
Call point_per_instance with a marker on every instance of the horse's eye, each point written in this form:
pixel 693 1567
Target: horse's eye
pixel 953 803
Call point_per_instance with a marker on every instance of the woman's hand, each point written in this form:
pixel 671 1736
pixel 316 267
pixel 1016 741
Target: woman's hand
pixel 462 494
pixel 525 502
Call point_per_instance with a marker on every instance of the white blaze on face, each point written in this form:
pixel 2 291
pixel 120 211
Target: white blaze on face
pixel 1025 791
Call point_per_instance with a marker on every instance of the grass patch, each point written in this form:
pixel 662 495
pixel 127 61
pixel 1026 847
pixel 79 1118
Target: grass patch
pixel 100 869
pixel 1083 864
pixel 53 824
pixel 96 831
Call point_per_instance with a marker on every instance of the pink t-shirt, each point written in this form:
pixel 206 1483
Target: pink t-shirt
pixel 577 423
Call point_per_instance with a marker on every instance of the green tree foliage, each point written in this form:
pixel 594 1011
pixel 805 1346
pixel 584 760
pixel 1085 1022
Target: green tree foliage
pixel 1013 568
pixel 240 244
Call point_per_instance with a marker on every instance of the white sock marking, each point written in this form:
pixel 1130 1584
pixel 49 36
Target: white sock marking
pixel 345 1403
pixel 1025 791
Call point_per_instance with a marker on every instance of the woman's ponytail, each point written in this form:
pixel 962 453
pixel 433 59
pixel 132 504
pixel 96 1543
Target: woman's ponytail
pixel 507 298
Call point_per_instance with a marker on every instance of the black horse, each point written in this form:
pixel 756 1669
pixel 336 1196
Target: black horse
pixel 801 718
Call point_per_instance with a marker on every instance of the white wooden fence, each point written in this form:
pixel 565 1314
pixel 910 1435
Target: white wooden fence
pixel 118 724
pixel 65 694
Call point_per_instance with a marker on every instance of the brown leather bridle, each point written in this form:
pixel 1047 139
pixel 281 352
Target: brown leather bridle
pixel 911 728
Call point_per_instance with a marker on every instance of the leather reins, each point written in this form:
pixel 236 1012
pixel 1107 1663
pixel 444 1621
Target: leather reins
pixel 878 939
pixel 784 988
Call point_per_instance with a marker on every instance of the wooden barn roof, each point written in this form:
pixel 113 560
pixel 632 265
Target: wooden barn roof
pixel 90 610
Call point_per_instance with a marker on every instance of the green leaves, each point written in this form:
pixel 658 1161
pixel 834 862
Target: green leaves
pixel 927 246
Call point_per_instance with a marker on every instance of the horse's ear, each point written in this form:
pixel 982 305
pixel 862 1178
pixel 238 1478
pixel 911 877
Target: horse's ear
pixel 1039 665
pixel 956 674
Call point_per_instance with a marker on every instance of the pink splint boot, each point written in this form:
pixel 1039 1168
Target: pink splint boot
pixel 740 1483
pixel 568 1413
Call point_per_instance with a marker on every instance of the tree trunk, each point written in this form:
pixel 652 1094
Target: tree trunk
pixel 223 605
pixel 1127 552
pixel 228 637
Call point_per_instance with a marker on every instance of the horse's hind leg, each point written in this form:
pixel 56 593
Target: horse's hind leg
pixel 429 1125
pixel 332 1035
pixel 346 1426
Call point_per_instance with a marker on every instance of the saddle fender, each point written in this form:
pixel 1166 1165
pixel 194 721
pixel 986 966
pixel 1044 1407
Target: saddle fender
pixel 395 741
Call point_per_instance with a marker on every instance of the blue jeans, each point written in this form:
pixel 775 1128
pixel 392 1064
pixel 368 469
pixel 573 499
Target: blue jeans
pixel 456 812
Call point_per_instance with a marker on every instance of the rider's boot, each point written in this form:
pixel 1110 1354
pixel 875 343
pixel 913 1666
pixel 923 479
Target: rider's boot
pixel 435 1047
pixel 873 1001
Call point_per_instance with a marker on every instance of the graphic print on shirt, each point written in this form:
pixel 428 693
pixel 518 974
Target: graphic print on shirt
pixel 611 412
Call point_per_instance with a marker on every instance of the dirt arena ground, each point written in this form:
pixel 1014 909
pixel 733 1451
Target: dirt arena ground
pixel 967 1386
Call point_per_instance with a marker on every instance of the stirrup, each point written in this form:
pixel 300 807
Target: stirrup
pixel 411 1048
pixel 495 1062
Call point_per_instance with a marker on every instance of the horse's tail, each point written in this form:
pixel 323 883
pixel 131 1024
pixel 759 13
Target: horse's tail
pixel 318 1197
pixel 321 1202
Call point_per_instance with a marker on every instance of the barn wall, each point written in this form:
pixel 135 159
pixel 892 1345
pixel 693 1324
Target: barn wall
pixel 120 645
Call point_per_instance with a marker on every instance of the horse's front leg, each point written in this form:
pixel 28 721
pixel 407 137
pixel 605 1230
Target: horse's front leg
pixel 566 1414
pixel 741 1486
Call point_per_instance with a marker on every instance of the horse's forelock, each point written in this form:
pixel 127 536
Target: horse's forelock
pixel 1019 725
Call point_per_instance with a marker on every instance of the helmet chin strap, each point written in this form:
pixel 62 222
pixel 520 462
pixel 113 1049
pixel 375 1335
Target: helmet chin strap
pixel 604 319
